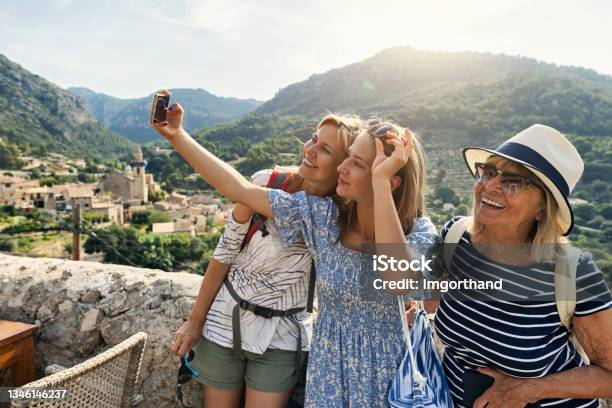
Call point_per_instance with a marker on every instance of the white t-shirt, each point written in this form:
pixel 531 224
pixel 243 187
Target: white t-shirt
pixel 266 274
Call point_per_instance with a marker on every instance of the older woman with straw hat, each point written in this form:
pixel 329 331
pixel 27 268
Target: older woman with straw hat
pixel 513 347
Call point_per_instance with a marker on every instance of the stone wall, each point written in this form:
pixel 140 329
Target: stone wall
pixel 83 308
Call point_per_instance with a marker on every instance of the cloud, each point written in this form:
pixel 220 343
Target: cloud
pixel 213 16
pixel 61 4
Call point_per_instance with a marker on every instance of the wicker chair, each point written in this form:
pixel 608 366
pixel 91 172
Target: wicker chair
pixel 107 380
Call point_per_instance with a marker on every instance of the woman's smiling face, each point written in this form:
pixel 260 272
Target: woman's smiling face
pixel 512 211
pixel 355 172
pixel 322 155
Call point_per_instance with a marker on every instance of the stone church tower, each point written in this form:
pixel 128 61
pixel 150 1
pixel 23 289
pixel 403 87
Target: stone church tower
pixel 139 185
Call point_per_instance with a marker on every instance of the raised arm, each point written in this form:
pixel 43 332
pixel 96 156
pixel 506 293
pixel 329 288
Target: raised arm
pixel 223 177
pixel 387 226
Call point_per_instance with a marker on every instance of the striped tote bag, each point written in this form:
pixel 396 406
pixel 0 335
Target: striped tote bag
pixel 420 381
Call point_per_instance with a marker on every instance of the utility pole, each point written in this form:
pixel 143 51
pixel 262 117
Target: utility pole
pixel 76 234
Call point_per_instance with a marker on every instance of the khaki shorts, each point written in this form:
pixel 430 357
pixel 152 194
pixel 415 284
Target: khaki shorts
pixel 272 371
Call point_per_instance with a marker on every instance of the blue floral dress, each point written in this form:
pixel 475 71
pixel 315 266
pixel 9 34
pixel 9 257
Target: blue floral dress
pixel 357 341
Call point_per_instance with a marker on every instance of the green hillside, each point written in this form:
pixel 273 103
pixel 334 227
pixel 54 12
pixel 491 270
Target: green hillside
pixel 452 100
pixel 41 117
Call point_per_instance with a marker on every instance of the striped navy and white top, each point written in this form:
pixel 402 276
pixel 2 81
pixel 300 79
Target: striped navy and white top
pixel 520 339
pixel 266 274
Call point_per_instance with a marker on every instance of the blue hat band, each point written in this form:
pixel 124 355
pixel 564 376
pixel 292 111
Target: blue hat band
pixel 537 161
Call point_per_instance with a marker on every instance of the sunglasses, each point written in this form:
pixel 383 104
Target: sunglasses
pixel 185 373
pixel 511 184
pixel 378 128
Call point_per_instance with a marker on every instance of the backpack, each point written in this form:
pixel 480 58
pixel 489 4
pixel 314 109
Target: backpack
pixel 565 277
pixel 277 181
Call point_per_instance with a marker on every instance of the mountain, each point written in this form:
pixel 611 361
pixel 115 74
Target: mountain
pixel 128 117
pixel 399 77
pixel 452 100
pixel 43 116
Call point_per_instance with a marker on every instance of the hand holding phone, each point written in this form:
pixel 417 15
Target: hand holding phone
pixel 475 384
pixel 159 108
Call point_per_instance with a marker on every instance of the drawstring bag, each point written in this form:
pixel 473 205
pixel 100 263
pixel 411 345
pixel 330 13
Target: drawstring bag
pixel 420 381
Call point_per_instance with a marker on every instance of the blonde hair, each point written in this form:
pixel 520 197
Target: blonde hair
pixel 348 127
pixel 546 235
pixel 409 196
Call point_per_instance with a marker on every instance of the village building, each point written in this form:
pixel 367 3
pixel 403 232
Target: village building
pixel 112 212
pixel 162 206
pixel 175 198
pixel 132 184
pixel 183 226
pixel 11 188
pixel 209 198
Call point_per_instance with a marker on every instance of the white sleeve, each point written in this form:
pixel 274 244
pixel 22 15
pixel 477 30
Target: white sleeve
pixel 234 234
pixel 231 240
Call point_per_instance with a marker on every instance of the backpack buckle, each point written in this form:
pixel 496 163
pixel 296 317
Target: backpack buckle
pixel 264 312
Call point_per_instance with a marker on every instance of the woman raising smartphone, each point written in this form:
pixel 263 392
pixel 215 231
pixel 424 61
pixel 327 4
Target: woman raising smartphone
pixel 357 343
pixel 265 275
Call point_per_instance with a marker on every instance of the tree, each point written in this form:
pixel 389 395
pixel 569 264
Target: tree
pixel 606 211
pixel 584 212
pixel 155 196
pixel 7 245
pixel 606 235
pixel 9 156
pixel 446 194
pixel 141 218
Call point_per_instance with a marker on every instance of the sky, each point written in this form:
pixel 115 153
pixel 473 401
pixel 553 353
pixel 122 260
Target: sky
pixel 254 48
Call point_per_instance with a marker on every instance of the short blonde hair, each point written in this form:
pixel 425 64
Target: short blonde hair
pixel 546 235
pixel 409 196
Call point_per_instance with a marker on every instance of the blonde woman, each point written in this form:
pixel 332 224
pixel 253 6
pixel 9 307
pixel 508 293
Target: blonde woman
pixel 268 276
pixel 357 343
pixel 520 216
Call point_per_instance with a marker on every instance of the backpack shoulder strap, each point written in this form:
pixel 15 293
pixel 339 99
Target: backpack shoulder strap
pixel 278 180
pixel 566 266
pixel 311 288
pixel 452 238
pixel 565 285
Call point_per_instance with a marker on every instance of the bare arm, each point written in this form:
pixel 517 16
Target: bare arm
pixel 241 213
pixel 388 228
pixel 223 177
pixel 595 380
pixel 590 382
pixel 387 225
pixel 191 331
pixel 212 281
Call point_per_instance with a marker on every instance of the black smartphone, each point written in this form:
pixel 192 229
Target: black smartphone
pixel 475 384
pixel 159 108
